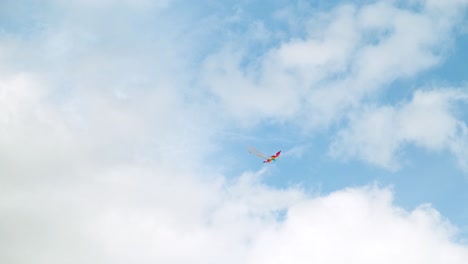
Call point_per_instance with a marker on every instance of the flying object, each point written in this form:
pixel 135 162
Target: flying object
pixel 255 152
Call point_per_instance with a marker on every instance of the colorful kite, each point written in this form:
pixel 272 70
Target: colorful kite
pixel 255 152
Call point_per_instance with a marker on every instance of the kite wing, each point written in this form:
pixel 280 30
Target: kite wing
pixel 255 152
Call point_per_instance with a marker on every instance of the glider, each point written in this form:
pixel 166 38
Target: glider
pixel 255 152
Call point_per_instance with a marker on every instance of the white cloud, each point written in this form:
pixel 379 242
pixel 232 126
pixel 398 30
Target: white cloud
pixel 349 53
pixel 148 216
pixel 371 138
pixel 377 134
pixel 103 146
pixel 358 226
pixel 32 135
pixel 296 151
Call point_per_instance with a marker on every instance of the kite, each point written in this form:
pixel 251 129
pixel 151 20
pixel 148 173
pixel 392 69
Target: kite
pixel 255 152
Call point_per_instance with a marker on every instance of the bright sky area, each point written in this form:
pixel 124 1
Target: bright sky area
pixel 125 125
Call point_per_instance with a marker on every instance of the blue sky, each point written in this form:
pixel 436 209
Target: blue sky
pixel 124 128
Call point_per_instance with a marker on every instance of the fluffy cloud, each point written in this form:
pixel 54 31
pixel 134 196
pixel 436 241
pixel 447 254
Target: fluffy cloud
pixel 105 127
pixel 133 214
pixel 346 55
pixel 358 226
pixel 377 134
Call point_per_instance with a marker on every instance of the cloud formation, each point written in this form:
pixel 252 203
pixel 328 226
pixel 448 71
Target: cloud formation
pixel 109 110
pixel 358 226
pixel 130 215
pixel 349 52
pixel 377 134
pixel 346 58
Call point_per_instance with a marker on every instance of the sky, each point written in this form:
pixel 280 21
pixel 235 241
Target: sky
pixel 125 124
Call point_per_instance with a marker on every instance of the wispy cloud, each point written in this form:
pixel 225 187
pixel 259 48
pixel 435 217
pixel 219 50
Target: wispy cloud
pixel 377 134
pixel 296 151
pixel 351 52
